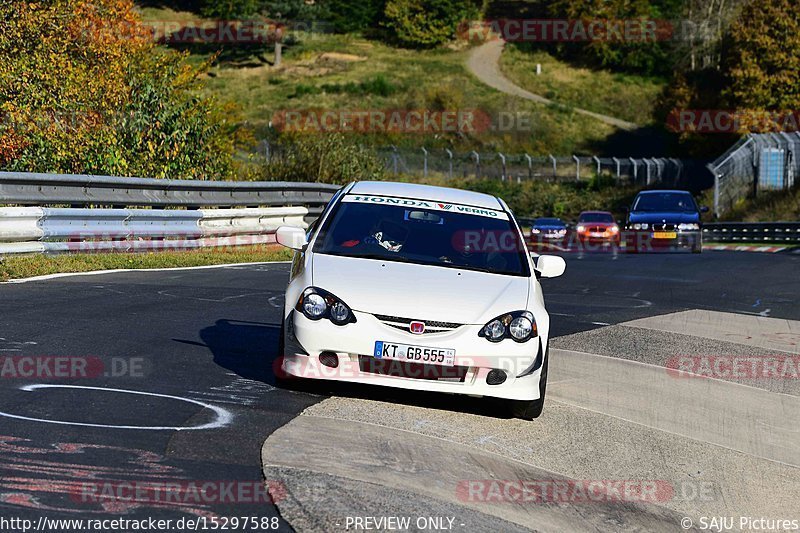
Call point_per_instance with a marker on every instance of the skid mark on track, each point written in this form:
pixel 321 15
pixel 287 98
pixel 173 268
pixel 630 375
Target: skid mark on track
pixel 57 477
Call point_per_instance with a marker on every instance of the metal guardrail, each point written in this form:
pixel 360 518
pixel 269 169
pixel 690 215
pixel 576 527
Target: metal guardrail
pixel 757 232
pixel 56 230
pixel 110 213
pixel 21 188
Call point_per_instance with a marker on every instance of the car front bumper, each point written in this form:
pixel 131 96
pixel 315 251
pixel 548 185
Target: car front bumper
pixel 646 241
pixel 352 347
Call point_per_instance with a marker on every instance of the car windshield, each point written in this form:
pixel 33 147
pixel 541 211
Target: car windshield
pixel 596 217
pixel 548 222
pixel 665 202
pixel 425 233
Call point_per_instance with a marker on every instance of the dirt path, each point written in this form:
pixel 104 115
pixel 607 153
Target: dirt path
pixel 484 63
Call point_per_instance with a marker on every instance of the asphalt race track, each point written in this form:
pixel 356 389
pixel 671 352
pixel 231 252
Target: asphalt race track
pixel 181 391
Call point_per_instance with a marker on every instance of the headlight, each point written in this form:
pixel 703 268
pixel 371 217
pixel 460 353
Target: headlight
pixel 581 228
pixel 688 227
pixel 534 230
pixel 518 326
pixel 640 226
pixel 339 313
pixel 614 229
pixel 495 330
pixel 562 232
pixel 316 304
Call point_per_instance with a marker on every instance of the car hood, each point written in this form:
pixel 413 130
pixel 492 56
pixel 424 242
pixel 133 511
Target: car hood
pixel 419 292
pixel 659 217
pixel 549 228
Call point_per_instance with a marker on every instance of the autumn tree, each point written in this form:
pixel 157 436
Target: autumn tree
pixel 84 89
pixel 762 60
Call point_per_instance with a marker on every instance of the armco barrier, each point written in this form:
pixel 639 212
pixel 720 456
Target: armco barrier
pixel 22 188
pixel 755 232
pixel 108 213
pixel 58 230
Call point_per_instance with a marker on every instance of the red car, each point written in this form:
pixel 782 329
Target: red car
pixel 597 228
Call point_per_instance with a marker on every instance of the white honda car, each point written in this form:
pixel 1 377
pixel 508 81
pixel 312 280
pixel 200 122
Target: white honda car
pixel 418 287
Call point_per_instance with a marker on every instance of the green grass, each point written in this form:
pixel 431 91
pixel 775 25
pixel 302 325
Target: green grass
pixel 778 206
pixel 349 72
pixel 38 265
pixel 625 96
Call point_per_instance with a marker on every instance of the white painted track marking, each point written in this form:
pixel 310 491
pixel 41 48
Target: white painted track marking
pixel 223 416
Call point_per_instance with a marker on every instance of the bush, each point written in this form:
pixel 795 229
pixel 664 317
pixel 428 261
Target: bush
pixel 83 89
pixel 230 9
pixel 323 158
pixel 348 16
pixel 427 23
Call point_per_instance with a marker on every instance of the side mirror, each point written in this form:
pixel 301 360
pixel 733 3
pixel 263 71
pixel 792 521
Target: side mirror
pixel 550 266
pixel 704 209
pixel 291 237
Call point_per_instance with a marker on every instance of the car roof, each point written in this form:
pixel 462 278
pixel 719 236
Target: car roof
pixel 417 191
pixel 673 191
pixel 595 212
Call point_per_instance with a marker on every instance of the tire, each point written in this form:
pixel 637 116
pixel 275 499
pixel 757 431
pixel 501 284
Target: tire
pixel 282 338
pixel 530 409
pixel 281 380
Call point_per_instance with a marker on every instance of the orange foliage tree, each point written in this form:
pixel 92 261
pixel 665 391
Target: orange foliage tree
pixel 84 89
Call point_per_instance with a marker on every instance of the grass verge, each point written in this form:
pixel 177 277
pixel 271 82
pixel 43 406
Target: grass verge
pixel 349 72
pixel 38 265
pixel 625 96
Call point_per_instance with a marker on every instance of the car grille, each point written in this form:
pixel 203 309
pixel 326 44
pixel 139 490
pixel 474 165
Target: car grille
pixel 431 326
pixel 663 227
pixel 597 229
pixel 403 369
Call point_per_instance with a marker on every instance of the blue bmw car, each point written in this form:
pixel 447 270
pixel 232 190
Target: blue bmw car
pixel 548 231
pixel 664 220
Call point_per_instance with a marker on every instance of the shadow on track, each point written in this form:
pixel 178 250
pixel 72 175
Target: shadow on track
pixel 250 350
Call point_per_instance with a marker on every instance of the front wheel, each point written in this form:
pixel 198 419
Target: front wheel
pixel 530 409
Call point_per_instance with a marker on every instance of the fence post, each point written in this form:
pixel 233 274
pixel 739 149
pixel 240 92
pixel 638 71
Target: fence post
pixel 530 166
pixel 477 163
pixel 635 169
pixel 717 176
pixel 424 162
pixel 267 153
pixel 597 160
pixel 503 163
pixel 555 166
pixel 450 156
pixel 394 158
pixel 679 172
pixel 616 162
pixel 647 167
pixel 577 168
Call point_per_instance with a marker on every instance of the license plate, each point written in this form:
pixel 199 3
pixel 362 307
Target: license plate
pixel 415 354
pixel 664 235
pixel 596 234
